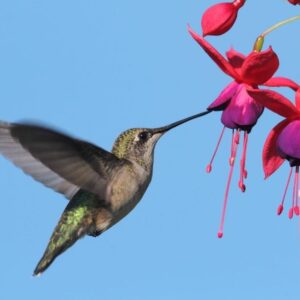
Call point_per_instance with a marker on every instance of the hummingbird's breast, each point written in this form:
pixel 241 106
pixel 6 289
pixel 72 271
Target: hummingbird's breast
pixel 126 190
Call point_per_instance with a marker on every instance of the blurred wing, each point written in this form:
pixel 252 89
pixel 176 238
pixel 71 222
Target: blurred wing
pixel 60 162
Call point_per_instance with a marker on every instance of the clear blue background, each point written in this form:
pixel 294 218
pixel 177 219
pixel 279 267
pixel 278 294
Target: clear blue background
pixel 96 68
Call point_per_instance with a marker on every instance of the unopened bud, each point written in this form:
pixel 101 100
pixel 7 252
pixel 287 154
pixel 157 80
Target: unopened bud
pixel 220 17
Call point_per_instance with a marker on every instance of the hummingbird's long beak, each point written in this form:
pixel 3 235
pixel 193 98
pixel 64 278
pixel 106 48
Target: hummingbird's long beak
pixel 172 125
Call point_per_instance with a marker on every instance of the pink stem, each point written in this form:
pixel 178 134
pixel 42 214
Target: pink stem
pixel 238 3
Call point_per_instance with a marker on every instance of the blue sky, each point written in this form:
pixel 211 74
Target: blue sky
pixel 94 69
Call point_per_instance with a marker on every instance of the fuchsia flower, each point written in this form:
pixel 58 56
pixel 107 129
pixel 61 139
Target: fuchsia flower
pixel 294 2
pixel 220 17
pixel 283 142
pixel 240 110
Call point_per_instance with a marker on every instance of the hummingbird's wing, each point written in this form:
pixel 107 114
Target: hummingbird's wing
pixel 59 161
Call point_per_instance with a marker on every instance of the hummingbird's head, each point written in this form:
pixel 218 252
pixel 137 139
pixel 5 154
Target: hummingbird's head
pixel 137 144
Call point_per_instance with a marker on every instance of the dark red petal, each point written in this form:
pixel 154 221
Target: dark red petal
pixel 259 67
pixel 297 99
pixel 275 102
pixel 282 82
pixel 218 18
pixel 235 58
pixel 294 2
pixel 216 56
pixel 271 159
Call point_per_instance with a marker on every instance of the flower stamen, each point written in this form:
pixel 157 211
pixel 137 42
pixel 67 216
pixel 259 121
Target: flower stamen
pixel 209 166
pixel 243 171
pixel 296 204
pixel 281 205
pixel 295 192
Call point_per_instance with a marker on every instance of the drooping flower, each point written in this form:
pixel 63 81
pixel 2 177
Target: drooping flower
pixel 240 111
pixel 294 2
pixel 283 142
pixel 220 17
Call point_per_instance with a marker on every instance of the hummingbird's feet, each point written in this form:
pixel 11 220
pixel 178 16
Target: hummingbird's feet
pixel 95 232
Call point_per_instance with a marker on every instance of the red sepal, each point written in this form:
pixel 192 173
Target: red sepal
pixel 235 58
pixel 282 82
pixel 216 56
pixel 271 159
pixel 275 102
pixel 259 67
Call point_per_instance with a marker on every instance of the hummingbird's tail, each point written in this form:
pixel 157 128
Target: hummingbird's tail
pixel 72 226
pixel 79 218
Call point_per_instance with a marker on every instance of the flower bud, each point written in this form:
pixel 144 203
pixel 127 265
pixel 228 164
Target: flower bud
pixel 220 17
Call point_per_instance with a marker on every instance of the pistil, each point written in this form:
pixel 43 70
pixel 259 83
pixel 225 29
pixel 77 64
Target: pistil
pixel 234 147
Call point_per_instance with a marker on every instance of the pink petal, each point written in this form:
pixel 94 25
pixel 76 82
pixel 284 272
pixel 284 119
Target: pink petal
pixel 275 102
pixel 282 82
pixel 242 111
pixel 216 56
pixel 224 96
pixel 235 58
pixel 259 67
pixel 270 156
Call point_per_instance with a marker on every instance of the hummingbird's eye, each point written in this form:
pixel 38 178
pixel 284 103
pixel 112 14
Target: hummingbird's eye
pixel 143 136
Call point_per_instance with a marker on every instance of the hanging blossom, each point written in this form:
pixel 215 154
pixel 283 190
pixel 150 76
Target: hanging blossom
pixel 240 110
pixel 283 142
pixel 220 17
pixel 294 2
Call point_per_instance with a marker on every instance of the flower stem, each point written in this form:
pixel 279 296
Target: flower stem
pixel 279 24
pixel 238 3
pixel 260 40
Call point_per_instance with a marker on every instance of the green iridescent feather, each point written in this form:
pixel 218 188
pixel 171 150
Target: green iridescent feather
pixel 75 222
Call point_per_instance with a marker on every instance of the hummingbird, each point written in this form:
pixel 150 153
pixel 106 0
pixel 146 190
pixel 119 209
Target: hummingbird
pixel 102 186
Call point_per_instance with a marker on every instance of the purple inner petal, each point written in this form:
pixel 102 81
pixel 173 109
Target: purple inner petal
pixel 288 142
pixel 242 112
